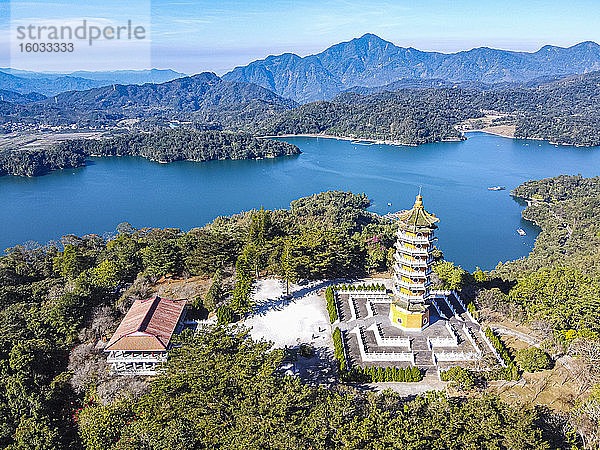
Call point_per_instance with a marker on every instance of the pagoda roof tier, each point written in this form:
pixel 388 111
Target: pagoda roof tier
pixel 417 217
pixel 409 306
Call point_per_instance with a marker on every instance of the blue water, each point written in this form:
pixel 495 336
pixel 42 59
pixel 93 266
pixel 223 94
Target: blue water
pixel 477 227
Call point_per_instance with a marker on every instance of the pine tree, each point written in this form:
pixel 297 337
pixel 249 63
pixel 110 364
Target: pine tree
pixel 287 265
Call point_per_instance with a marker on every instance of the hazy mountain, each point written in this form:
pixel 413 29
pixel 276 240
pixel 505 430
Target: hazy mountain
pixel 131 76
pixel 15 97
pixel 46 86
pixel 203 98
pixel 371 61
pixel 197 92
pixel 24 81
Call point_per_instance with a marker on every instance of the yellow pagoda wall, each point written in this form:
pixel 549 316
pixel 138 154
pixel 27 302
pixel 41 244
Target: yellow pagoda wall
pixel 409 320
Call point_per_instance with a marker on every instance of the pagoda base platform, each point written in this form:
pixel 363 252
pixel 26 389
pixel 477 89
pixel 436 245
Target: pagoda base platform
pixel 405 319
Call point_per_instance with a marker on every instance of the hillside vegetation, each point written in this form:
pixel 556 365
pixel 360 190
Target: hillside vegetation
pixel 220 391
pixel 557 287
pixel 56 301
pixel 563 112
pixel 163 146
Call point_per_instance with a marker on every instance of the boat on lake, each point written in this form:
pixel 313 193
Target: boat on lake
pixel 496 188
pixel 521 231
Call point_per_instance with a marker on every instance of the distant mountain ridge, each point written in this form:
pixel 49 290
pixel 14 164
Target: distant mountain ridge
pixel 193 93
pixel 203 98
pixel 26 82
pixel 370 61
pixel 20 99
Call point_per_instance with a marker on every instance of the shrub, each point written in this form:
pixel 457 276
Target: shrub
pixel 338 345
pixel 225 315
pixel 381 374
pixel 532 359
pixel 503 352
pixel 331 309
pixel 306 351
pixel 463 378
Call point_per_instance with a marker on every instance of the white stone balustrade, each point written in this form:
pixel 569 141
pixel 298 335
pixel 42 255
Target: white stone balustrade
pixel 451 341
pixel 388 341
pixel 471 338
pixel 352 306
pixel 381 356
pixel 455 356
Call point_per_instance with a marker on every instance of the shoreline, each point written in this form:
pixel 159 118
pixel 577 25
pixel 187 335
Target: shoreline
pixel 340 138
pixel 353 139
pixel 492 132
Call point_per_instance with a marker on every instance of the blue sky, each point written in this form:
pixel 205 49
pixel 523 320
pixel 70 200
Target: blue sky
pixel 194 36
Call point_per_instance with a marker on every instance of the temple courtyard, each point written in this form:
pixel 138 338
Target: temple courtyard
pixel 453 336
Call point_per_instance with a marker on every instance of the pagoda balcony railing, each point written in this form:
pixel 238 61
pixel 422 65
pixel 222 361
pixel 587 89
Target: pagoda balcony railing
pixel 412 263
pixel 411 273
pixel 411 286
pixel 415 239
pixel 413 251
pixel 412 298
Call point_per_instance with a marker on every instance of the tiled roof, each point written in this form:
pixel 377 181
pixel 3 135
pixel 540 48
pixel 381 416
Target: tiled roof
pixel 417 217
pixel 147 326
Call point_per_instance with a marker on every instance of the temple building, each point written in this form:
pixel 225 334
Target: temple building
pixel 412 268
pixel 144 337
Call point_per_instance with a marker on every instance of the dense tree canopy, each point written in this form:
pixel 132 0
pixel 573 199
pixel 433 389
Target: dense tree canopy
pixel 163 146
pixel 53 298
pixel 221 390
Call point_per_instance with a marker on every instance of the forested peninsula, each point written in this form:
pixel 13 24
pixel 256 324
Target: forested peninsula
pixel 57 300
pixel 162 146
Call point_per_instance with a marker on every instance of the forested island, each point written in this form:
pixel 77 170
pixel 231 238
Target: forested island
pixel 57 300
pixel 163 146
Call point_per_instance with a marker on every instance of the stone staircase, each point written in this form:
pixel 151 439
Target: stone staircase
pixel 423 356
pixel 456 305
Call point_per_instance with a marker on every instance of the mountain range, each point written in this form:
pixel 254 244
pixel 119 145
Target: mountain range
pixel 202 98
pixel 26 82
pixel 370 61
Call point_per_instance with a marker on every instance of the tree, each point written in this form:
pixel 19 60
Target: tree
pixel 107 274
pixel 101 426
pixel 70 262
pixel 162 257
pixel 287 265
pixel 241 301
pixel 215 293
pixel 462 378
pixel 257 236
pixel 451 277
pixel 532 359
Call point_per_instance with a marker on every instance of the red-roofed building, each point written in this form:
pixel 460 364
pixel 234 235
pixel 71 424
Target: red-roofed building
pixel 143 338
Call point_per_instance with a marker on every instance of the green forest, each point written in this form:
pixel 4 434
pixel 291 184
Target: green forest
pixel 163 146
pixel 56 299
pixel 563 111
pixel 221 389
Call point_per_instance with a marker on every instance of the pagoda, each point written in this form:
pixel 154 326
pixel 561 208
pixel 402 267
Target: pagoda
pixel 412 268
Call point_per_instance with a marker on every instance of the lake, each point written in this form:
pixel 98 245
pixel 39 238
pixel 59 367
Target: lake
pixel 477 227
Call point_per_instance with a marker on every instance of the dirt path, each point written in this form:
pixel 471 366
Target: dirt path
pixel 503 330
